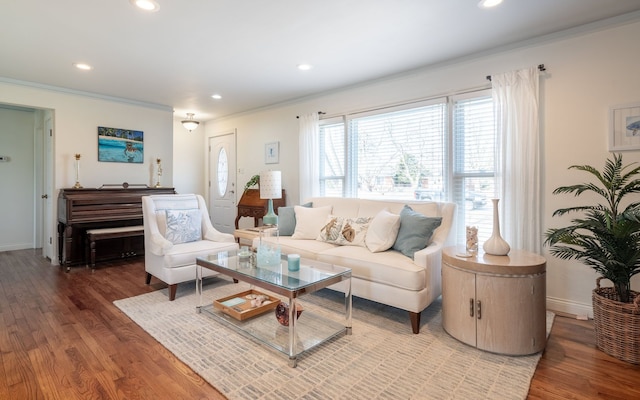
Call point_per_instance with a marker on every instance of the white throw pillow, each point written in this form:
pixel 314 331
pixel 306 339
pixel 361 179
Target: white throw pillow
pixel 383 231
pixel 183 226
pixel 309 221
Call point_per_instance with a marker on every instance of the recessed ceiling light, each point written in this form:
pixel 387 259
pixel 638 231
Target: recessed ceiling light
pixel 83 66
pixel 489 3
pixel 304 67
pixel 216 96
pixel 147 5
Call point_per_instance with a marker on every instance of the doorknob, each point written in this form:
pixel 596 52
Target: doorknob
pixel 45 196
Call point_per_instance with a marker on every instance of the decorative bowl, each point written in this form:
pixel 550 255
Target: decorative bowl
pixel 282 313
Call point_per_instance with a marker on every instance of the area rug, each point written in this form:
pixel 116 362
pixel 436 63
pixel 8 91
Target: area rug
pixel 382 359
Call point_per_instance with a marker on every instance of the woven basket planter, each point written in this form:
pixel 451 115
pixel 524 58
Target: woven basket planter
pixel 617 324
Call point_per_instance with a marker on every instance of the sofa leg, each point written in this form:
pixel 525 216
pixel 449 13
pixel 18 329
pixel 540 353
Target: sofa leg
pixel 172 291
pixel 415 321
pixel 148 279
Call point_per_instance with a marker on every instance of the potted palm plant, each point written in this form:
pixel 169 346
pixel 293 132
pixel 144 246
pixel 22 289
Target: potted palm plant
pixel 607 238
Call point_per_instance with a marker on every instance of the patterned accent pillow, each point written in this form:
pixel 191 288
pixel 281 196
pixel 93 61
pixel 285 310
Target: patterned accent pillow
pixel 330 232
pixel 345 231
pixel 354 231
pixel 183 226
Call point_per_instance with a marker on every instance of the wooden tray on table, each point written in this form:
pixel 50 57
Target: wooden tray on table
pixel 239 305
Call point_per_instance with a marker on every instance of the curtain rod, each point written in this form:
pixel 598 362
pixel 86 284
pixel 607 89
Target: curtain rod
pixel 541 68
pixel 319 113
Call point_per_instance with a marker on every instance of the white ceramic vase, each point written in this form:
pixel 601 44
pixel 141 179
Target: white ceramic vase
pixel 496 245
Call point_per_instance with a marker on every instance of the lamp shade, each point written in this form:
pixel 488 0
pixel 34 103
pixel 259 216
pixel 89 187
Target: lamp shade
pixel 270 185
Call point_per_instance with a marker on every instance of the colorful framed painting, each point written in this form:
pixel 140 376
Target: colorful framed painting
pixel 120 145
pixel 625 127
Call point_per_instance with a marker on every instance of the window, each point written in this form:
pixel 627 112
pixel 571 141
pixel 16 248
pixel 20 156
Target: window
pixel 473 177
pixel 223 172
pixel 438 150
pixel 332 160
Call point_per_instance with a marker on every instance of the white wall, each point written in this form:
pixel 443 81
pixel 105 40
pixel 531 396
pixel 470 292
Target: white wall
pixel 189 162
pixel 76 118
pixel 254 131
pixel 17 130
pixel 587 73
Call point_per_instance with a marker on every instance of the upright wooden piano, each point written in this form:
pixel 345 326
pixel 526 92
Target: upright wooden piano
pixel 106 207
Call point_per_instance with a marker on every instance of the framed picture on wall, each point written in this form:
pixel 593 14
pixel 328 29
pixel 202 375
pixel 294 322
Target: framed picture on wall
pixel 624 127
pixel 272 153
pixel 120 145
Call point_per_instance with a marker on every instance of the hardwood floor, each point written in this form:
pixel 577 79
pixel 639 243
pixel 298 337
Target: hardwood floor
pixel 61 337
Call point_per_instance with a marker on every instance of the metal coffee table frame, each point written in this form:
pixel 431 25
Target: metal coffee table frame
pixel 302 334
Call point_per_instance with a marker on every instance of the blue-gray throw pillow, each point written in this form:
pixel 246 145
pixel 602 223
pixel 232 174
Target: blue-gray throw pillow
pixel 415 231
pixel 287 219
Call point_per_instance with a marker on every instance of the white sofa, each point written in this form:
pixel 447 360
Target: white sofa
pixel 387 277
pixel 172 244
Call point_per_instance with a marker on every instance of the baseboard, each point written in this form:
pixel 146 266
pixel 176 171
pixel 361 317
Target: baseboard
pixel 17 246
pixel 569 307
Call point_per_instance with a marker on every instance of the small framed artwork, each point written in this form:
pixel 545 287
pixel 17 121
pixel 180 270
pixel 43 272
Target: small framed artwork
pixel 120 145
pixel 624 127
pixel 272 153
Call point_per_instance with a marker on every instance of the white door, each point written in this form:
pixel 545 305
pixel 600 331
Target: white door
pixel 222 181
pixel 47 216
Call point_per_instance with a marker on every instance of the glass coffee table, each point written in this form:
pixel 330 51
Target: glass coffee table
pixel 304 333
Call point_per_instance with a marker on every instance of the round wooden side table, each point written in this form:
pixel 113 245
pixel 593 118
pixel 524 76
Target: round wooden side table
pixel 495 303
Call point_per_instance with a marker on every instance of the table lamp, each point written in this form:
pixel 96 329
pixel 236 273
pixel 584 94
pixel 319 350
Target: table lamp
pixel 270 188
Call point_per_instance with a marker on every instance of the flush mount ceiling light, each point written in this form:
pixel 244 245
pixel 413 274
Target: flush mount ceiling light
pixel 216 96
pixel 189 124
pixel 146 5
pixel 83 66
pixel 489 3
pixel 304 67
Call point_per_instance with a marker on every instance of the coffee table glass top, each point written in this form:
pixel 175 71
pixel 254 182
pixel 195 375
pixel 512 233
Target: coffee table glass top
pixel 311 272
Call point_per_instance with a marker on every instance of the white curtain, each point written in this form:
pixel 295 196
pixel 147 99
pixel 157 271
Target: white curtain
pixel 515 96
pixel 309 156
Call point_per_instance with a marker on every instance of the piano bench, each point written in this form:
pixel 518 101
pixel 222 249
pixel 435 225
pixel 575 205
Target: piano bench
pixel 95 235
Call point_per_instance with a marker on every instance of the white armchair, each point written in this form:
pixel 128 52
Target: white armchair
pixel 177 229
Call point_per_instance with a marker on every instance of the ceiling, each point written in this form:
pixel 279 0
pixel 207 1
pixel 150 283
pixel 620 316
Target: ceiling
pixel 247 50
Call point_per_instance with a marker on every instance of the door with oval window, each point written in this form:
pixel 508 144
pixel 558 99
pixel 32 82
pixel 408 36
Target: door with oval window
pixel 222 182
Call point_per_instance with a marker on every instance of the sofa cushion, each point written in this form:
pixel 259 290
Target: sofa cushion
pixel 306 248
pixel 390 268
pixel 383 231
pixel 309 221
pixel 345 231
pixel 415 231
pixel 185 253
pixel 183 226
pixel 340 206
pixel 287 219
